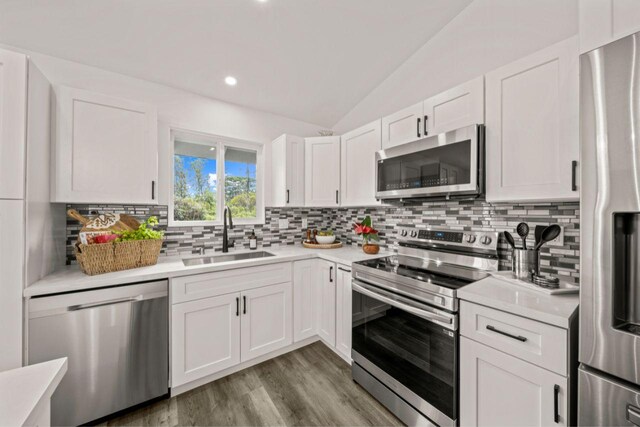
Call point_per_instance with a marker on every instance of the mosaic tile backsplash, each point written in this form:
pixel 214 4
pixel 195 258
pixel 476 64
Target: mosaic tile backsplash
pixel 476 215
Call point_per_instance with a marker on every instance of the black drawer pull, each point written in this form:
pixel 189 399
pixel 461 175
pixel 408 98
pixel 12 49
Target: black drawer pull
pixel 287 196
pixel 237 306
pixel 330 274
pixel 344 269
pixel 153 190
pixel 556 393
pixel 425 125
pixel 506 334
pixel 244 304
pixel 574 166
pixel 418 127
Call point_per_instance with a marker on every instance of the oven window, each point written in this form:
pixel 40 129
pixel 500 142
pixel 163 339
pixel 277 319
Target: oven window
pixel 444 165
pixel 419 354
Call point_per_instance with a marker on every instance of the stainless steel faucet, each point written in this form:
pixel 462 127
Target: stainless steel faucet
pixel 225 236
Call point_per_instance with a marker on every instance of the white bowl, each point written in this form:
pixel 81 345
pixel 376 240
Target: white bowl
pixel 325 240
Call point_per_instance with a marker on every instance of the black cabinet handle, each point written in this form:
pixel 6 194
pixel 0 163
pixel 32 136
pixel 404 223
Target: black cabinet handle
pixel 337 202
pixel 287 196
pixel 331 274
pixel 153 190
pixel 344 269
pixel 556 393
pixel 574 166
pixel 506 334
pixel 418 127
pixel 425 125
pixel 237 306
pixel 244 304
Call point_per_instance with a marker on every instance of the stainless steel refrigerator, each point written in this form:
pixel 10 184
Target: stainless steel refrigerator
pixel 609 377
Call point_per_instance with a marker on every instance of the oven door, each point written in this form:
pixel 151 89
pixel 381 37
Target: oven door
pixel 408 346
pixel 448 163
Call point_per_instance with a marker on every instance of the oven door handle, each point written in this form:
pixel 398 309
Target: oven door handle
pixel 444 319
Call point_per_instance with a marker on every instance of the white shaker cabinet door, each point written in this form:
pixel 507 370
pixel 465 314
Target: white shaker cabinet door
pixel 205 337
pixel 305 307
pixel 343 312
pixel 358 174
pixel 326 298
pixel 322 171
pixel 266 320
pixel 11 285
pixel 532 141
pixel 403 126
pixel 287 165
pixel 455 108
pixel 501 390
pixel 13 124
pixel 106 149
pixel 603 21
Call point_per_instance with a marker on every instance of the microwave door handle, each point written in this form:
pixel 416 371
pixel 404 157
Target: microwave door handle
pixel 427 315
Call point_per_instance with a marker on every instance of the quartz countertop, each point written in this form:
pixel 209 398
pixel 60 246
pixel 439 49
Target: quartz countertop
pixel 557 310
pixel 25 392
pixel 70 278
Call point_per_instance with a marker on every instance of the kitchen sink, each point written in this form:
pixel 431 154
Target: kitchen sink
pixel 226 258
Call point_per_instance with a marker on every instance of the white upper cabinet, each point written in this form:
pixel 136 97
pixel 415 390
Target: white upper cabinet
pixel 603 21
pixel 322 171
pixel 13 123
pixel 457 107
pixel 287 171
pixel 106 149
pixel 403 126
pixel 532 142
pixel 358 165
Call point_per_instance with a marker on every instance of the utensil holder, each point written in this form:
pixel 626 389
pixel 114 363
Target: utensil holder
pixel 524 262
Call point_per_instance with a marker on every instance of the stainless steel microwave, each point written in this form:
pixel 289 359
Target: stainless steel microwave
pixel 449 164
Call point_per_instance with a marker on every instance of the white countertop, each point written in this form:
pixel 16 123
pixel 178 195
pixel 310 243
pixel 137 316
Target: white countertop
pixel 24 391
pixel 556 310
pixel 70 278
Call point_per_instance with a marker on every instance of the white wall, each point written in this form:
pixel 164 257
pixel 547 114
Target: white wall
pixel 176 108
pixel 484 36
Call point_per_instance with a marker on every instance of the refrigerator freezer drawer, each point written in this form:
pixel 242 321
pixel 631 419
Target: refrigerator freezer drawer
pixel 605 401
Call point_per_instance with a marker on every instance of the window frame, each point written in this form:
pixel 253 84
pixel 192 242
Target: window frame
pixel 220 143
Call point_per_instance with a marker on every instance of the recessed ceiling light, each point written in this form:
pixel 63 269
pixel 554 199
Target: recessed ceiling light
pixel 230 80
pixel 262 1
pixel 212 149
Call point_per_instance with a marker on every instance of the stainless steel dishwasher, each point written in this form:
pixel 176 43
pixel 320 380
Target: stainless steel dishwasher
pixel 116 340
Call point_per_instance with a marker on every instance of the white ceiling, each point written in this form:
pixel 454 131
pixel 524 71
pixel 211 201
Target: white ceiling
pixel 311 60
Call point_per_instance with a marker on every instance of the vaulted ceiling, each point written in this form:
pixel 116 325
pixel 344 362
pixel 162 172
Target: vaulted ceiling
pixel 311 60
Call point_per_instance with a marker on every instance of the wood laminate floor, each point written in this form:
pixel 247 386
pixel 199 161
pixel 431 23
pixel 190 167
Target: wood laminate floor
pixel 310 386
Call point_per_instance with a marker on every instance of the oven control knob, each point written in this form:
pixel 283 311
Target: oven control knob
pixel 403 233
pixel 414 234
pixel 485 240
pixel 471 238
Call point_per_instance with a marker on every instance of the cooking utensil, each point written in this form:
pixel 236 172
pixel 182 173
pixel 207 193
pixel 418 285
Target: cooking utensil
pixel 105 222
pixel 509 238
pixel 523 232
pixel 538 233
pixel 548 234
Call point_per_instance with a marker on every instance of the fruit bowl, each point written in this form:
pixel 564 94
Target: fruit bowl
pixel 325 240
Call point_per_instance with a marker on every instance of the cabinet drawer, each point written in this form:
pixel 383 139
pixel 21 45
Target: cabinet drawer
pixel 222 282
pixel 541 344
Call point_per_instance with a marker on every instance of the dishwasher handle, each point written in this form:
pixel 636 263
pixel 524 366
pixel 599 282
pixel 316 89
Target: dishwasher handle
pixel 103 303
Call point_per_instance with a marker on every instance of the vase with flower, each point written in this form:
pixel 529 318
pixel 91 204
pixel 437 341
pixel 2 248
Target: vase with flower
pixel 368 234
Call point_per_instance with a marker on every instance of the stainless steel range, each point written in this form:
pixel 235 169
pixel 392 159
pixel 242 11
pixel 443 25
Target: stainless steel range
pixel 405 320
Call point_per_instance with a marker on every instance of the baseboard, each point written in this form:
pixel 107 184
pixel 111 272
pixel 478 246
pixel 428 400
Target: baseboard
pixel 205 380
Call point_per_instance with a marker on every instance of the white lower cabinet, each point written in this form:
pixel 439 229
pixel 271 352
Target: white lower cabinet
pixel 205 337
pixel 266 320
pixel 343 312
pixel 304 299
pixel 497 389
pixel 326 300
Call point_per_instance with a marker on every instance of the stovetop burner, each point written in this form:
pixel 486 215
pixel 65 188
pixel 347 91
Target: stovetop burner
pixel 438 273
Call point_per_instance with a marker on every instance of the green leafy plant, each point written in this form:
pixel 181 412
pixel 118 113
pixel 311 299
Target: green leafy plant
pixel 144 232
pixel 325 233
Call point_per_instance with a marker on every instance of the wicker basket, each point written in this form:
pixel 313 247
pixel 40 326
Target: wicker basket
pixel 107 257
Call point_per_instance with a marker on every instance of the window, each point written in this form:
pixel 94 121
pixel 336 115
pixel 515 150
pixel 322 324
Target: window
pixel 212 172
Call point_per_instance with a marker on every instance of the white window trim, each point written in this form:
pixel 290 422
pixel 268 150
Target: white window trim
pixel 220 142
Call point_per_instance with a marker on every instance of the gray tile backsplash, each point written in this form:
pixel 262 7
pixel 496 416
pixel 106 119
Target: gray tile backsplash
pixel 473 215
